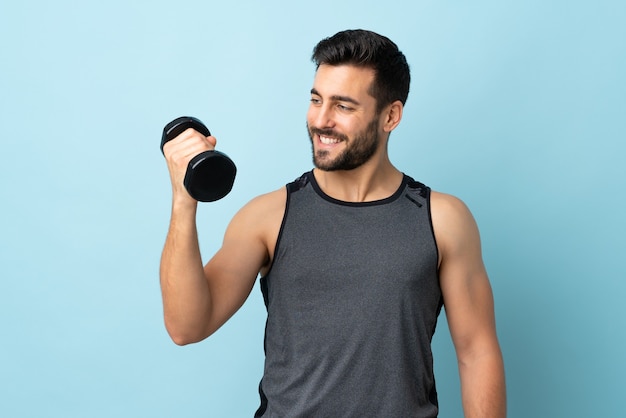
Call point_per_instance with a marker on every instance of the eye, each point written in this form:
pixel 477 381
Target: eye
pixel 316 100
pixel 344 107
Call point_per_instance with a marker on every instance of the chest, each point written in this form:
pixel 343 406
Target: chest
pixel 330 253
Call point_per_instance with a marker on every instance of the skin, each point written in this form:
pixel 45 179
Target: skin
pixel 342 116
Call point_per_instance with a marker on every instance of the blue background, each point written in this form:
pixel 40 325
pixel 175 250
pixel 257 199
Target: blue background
pixel 517 107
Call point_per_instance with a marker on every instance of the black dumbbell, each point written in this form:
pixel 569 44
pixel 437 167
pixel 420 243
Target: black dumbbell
pixel 211 174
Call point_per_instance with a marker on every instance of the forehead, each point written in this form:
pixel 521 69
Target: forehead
pixel 343 80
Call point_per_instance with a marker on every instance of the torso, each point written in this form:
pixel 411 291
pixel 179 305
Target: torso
pixel 336 298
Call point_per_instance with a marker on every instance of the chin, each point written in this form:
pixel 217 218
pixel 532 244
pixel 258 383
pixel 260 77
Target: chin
pixel 329 166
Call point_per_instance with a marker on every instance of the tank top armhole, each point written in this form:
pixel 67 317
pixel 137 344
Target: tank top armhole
pixel 295 185
pixel 432 228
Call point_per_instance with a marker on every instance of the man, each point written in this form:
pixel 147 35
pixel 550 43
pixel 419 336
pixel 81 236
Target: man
pixel 356 260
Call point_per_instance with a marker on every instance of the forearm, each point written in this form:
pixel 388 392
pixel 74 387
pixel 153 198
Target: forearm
pixel 186 298
pixel 483 386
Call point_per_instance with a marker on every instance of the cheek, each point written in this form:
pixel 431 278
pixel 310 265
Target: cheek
pixel 311 114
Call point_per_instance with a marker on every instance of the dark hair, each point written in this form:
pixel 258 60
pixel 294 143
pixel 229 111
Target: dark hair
pixel 367 49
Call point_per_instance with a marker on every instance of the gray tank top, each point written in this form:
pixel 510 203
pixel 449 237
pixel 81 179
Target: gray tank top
pixel 352 298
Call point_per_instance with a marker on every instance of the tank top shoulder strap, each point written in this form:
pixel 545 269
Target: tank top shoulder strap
pixel 299 183
pixel 416 187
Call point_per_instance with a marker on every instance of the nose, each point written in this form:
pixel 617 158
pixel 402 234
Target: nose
pixel 321 116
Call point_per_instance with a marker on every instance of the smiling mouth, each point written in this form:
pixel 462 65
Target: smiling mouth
pixel 326 140
pixel 327 137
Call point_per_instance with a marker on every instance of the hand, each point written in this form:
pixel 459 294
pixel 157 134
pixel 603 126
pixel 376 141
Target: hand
pixel 178 152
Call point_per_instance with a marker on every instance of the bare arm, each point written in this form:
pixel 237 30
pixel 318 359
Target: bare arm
pixel 469 309
pixel 198 299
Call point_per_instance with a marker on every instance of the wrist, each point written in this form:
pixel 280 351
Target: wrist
pixel 183 202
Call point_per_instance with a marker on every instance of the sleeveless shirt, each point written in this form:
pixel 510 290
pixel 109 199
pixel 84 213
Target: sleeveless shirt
pixel 352 298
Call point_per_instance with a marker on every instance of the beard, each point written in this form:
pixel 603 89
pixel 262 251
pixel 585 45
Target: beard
pixel 360 149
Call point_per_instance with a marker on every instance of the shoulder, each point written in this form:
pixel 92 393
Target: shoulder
pixel 453 223
pixel 263 209
pixel 447 206
pixel 260 220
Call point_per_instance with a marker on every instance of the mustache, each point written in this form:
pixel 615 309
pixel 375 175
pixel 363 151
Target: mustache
pixel 327 132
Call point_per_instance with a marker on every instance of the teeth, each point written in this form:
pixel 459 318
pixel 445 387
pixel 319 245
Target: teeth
pixel 327 141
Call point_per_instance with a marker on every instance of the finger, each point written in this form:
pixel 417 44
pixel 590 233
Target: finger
pixel 188 144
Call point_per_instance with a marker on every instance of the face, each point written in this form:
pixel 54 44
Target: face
pixel 342 120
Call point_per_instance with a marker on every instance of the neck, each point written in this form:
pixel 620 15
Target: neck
pixel 375 180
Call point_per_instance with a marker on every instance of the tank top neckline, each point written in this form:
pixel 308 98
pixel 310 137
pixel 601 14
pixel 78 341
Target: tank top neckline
pixel 393 197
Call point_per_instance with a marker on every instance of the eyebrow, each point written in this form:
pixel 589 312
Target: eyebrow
pixel 338 98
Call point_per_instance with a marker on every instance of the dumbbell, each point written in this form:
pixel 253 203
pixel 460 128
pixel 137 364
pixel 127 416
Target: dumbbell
pixel 211 174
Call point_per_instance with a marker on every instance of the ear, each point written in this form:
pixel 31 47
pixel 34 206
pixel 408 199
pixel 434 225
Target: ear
pixel 392 114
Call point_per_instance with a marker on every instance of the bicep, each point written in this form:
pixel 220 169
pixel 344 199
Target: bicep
pixel 231 274
pixel 468 304
pixel 467 294
pixel 233 270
